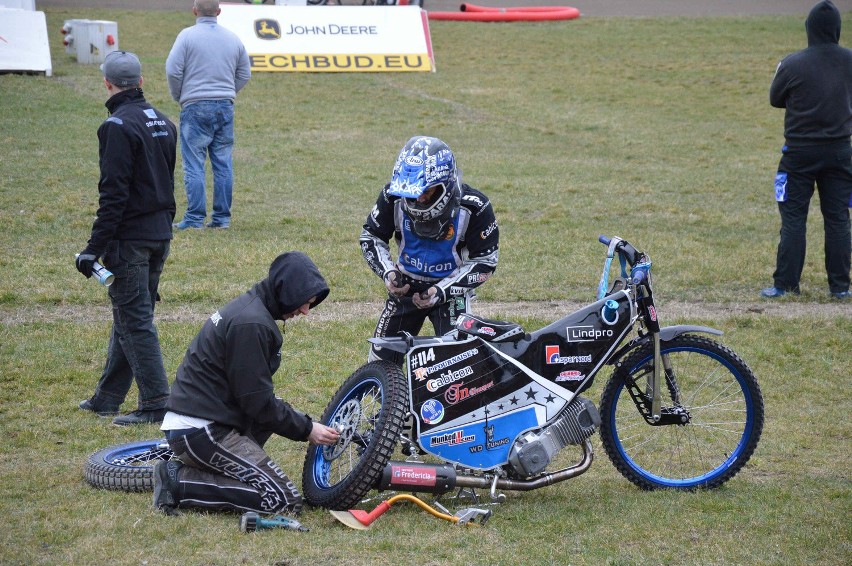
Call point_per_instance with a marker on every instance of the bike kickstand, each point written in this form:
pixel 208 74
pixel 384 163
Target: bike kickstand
pixel 496 497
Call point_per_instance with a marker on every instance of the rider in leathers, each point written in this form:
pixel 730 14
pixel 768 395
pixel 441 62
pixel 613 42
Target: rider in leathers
pixel 447 239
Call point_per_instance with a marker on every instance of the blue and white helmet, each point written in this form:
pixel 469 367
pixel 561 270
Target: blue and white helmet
pixel 422 164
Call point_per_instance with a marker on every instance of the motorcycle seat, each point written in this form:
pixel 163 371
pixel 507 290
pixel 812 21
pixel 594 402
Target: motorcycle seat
pixel 490 330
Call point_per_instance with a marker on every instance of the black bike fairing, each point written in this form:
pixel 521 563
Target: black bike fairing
pixel 473 398
pixel 469 410
pixel 572 349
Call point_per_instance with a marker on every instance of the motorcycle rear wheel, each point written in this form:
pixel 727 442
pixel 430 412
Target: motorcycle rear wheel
pixel 725 407
pixel 126 467
pixel 370 406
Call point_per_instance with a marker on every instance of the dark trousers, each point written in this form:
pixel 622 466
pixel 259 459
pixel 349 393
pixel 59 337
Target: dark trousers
pixel 134 347
pixel 829 167
pixel 227 470
pixel 401 315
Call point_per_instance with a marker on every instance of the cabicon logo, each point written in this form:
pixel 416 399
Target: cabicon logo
pixel 267 29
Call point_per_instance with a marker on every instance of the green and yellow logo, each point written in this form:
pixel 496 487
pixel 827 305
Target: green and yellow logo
pixel 267 29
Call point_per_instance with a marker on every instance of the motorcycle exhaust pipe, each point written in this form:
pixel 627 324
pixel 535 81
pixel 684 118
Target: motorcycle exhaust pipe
pixel 442 478
pixel 528 485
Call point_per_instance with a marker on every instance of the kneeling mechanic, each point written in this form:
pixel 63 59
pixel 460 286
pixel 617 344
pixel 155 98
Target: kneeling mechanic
pixel 222 407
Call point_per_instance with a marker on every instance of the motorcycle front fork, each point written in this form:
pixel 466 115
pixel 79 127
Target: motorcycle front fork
pixel 663 373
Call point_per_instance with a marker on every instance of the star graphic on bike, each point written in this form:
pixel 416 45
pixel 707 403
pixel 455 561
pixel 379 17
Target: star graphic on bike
pixel 550 398
pixel 514 400
pixel 530 394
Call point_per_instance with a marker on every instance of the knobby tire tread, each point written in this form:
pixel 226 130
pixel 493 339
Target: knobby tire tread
pixel 101 473
pixel 364 475
pixel 613 387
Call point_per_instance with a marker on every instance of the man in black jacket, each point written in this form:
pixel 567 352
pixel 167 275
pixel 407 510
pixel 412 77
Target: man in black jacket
pixel 222 408
pixel 132 233
pixel 815 87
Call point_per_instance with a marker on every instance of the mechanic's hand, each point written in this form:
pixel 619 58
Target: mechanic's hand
pixel 323 435
pixel 85 262
pixel 428 298
pixel 392 278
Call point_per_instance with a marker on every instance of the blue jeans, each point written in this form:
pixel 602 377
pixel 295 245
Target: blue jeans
pixel 207 128
pixel 134 347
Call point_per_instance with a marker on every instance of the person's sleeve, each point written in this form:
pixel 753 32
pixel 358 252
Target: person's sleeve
pixel 247 351
pixel 175 67
pixel 482 241
pixel 376 234
pixel 779 88
pixel 243 71
pixel 116 164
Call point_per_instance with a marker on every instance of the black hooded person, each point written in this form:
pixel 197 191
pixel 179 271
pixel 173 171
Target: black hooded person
pixel 223 408
pixel 814 87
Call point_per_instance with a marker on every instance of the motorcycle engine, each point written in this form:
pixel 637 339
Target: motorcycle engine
pixel 533 451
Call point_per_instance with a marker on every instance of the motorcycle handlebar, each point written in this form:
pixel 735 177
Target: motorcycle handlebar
pixel 640 277
pixel 631 254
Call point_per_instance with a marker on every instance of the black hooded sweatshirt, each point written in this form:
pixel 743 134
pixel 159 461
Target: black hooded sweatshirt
pixel 815 84
pixel 226 374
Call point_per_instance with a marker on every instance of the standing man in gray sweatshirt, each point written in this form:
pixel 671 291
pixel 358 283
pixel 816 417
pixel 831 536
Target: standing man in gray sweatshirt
pixel 206 68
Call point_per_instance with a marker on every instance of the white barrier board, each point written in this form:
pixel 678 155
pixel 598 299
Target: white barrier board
pixel 18 4
pixel 23 42
pixel 332 39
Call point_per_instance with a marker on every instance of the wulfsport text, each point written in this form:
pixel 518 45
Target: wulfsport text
pixel 339 63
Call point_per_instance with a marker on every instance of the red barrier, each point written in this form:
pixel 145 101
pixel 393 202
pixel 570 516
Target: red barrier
pixel 474 13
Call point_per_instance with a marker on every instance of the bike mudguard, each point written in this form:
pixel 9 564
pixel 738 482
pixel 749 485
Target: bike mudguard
pixel 667 334
pixel 396 344
pixel 403 343
pixel 670 332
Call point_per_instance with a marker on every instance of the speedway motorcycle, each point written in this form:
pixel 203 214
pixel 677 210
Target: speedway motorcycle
pixel 490 405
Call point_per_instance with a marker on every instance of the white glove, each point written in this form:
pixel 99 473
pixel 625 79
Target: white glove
pixel 391 278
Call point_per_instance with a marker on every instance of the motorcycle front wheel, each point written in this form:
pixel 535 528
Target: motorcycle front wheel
pixel 725 417
pixel 126 467
pixel 369 409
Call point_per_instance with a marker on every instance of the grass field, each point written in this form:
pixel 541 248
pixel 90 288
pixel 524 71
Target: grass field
pixel 655 129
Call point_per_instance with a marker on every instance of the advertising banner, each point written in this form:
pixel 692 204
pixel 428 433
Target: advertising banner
pixel 332 39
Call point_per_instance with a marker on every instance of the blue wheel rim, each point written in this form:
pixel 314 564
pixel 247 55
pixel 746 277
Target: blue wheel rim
pixel 709 476
pixel 137 454
pixel 322 466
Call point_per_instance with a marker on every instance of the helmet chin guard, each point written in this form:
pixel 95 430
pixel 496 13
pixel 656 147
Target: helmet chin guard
pixel 423 164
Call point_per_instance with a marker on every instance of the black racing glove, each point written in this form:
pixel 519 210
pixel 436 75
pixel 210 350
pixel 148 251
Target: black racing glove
pixel 85 262
pixel 429 298
pixel 393 280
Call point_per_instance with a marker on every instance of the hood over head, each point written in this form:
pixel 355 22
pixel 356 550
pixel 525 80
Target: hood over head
pixel 293 279
pixel 823 24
